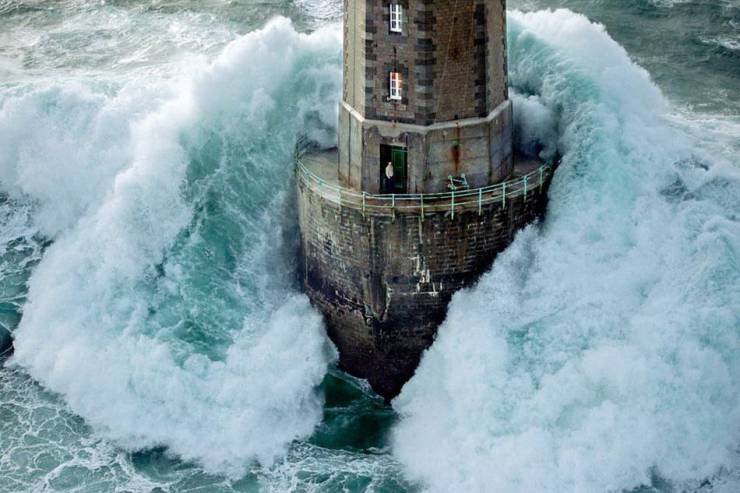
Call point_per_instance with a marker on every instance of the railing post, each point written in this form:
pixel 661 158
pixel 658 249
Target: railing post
pixel 363 203
pixel 480 201
pixel 393 205
pixel 541 168
pixel 452 204
pixel 503 194
pixel 526 177
pixel 422 207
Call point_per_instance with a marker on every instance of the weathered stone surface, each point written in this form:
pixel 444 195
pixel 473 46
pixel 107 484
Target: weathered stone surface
pixel 452 55
pixel 384 282
pixel 484 150
pixel 454 116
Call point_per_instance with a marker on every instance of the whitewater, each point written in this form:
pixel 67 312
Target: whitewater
pixel 161 342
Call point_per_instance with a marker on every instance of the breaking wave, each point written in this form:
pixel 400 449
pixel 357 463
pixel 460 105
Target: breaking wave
pixel 164 312
pixel 601 352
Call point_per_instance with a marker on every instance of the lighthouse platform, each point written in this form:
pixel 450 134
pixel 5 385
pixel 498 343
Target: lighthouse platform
pixel 383 267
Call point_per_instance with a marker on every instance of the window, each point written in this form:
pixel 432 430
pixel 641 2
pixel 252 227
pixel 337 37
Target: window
pixel 395 84
pixel 396 18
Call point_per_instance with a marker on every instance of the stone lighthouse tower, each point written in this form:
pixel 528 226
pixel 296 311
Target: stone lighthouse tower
pixel 422 190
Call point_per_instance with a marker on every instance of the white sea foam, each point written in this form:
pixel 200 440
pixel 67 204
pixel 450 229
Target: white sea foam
pixel 602 350
pixel 326 10
pixel 83 38
pixel 535 127
pixel 116 183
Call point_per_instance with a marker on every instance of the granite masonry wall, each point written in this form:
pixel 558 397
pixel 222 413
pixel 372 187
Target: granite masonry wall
pixel 452 55
pixel 484 152
pixel 454 116
pixel 384 282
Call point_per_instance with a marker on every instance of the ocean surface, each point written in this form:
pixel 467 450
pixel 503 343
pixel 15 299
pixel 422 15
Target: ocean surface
pixel 148 261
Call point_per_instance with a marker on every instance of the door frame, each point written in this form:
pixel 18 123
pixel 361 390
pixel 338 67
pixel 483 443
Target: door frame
pixel 391 153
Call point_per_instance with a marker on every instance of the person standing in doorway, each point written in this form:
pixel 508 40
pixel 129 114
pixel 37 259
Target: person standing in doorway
pixel 390 181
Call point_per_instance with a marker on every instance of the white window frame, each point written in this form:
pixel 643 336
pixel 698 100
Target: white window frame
pixel 395 81
pixel 396 19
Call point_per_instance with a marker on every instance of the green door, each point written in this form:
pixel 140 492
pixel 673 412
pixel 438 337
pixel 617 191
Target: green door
pixel 398 158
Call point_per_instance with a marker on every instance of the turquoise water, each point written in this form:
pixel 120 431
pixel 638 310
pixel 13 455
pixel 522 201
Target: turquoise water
pixel 147 261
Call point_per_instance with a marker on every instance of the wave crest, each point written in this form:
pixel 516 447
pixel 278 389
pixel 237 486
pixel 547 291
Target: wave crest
pixel 601 352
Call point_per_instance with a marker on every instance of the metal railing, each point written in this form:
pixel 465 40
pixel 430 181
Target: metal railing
pixel 422 203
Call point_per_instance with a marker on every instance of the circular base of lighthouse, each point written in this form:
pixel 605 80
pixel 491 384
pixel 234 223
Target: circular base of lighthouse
pixel 383 268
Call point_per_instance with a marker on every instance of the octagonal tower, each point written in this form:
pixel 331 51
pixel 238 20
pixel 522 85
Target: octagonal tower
pixel 426 79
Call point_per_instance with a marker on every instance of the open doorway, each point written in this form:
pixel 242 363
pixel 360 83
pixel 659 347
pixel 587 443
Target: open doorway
pixel 397 157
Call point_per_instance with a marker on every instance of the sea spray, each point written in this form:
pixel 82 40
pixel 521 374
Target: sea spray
pixel 115 314
pixel 535 127
pixel 601 353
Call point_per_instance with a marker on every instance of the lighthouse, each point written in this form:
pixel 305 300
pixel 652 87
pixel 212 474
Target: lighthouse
pixel 423 188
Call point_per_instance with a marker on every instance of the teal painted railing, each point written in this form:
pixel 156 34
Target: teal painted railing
pixel 422 203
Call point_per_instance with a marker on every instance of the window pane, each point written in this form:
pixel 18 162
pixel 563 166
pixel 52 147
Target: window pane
pixel 395 85
pixel 395 17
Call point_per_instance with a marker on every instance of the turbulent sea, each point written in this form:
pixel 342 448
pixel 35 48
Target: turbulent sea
pixel 148 261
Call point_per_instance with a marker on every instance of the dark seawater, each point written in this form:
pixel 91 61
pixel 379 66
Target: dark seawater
pixel 147 261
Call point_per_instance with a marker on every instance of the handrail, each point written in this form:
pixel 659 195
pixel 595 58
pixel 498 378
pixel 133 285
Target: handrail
pixel 425 202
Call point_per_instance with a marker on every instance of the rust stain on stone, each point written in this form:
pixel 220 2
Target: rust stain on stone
pixel 455 153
